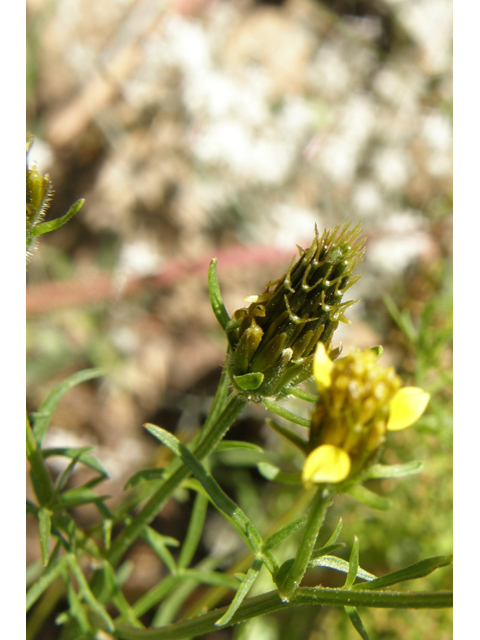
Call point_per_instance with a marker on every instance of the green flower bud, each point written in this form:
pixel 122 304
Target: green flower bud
pixel 38 197
pixel 275 337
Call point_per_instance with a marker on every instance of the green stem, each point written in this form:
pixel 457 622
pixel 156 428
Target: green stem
pixel 209 441
pixel 316 516
pixel 44 609
pixel 271 602
pixel 214 595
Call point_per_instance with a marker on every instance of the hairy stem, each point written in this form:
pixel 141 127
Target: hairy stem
pixel 271 602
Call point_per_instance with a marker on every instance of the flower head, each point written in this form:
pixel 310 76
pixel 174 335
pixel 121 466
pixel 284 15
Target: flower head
pixel 273 340
pixel 359 402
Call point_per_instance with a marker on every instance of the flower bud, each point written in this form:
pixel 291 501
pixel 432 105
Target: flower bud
pixel 273 340
pixel 38 196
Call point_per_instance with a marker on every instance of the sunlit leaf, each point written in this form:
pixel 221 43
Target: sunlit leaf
pixel 414 571
pixel 51 225
pixel 216 300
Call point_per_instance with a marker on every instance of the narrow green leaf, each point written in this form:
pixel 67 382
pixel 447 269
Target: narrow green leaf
pixel 145 475
pixel 51 225
pixel 211 436
pixel 280 535
pixel 227 445
pixel 241 594
pixel 369 498
pixel 107 526
pixel 222 502
pixel 274 407
pixel 403 319
pixel 249 381
pixel 357 622
pixel 158 544
pixel 33 572
pixel 77 612
pixel 86 594
pixel 194 531
pixel 303 395
pixel 65 475
pixel 48 407
pixel 181 592
pixel 269 561
pixel 79 453
pixel 214 578
pixel 291 436
pixel 216 299
pixel 353 564
pixel 79 496
pixel 44 529
pixel 338 564
pixel 414 571
pixel 382 471
pixel 155 595
pixel 195 485
pixel 51 573
pixel 329 548
pixel 41 480
pixel 271 472
pixel 219 400
pixel 118 599
pixel 334 537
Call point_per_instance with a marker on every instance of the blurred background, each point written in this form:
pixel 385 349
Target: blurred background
pixel 212 128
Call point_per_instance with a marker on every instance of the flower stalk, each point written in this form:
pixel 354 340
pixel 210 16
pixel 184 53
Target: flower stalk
pixel 316 516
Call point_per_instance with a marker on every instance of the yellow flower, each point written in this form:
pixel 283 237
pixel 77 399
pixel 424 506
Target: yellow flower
pixel 359 401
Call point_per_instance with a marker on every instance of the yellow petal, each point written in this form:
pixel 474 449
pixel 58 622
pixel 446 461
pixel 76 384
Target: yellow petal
pixel 326 463
pixel 406 407
pixel 322 367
